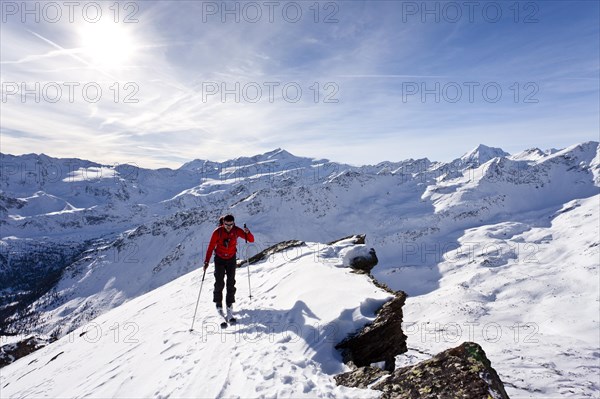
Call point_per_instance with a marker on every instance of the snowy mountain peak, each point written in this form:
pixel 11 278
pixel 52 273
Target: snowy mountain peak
pixel 531 154
pixel 279 153
pixel 482 153
pixel 195 165
pixel 585 151
pixel 270 161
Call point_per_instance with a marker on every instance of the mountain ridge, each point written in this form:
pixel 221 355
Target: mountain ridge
pixel 129 231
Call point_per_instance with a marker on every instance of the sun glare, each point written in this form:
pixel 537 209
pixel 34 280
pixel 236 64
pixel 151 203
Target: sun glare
pixel 107 44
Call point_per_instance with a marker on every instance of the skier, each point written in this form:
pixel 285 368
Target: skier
pixel 223 242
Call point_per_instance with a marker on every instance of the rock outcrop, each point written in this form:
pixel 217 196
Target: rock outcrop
pixel 282 246
pixel 364 262
pixel 461 372
pixel 381 341
pixel 362 377
pixel 355 239
pixel 14 351
pixel 359 258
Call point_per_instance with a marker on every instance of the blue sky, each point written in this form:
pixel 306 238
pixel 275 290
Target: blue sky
pixel 161 83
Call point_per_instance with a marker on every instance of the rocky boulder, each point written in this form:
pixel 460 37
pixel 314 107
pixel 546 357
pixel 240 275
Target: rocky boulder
pixel 461 372
pixel 380 341
pixel 364 261
pixel 355 254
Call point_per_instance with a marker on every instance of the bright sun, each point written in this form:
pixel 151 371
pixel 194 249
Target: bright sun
pixel 107 44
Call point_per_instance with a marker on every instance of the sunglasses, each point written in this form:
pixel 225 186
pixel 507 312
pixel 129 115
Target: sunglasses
pixel 228 224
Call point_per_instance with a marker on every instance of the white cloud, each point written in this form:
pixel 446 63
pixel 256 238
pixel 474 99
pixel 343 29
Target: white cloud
pixel 364 61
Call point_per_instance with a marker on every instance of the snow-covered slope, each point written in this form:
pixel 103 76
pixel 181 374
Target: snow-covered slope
pixel 282 345
pixel 79 239
pixel 528 291
pixel 481 154
pixel 411 211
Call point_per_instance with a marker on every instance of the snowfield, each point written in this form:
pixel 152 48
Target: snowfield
pixel 529 294
pixel 282 345
pixel 499 249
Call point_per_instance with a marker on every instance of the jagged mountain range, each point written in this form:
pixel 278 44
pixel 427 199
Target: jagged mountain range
pixel 79 238
pixel 69 222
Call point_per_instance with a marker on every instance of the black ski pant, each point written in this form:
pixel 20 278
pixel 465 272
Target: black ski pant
pixel 224 267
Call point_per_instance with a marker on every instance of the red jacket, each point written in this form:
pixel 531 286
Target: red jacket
pixel 225 243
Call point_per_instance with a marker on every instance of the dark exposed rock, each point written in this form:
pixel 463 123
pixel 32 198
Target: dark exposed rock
pixel 282 246
pixel 361 377
pixel 9 202
pixel 30 269
pixel 14 351
pixel 55 357
pixel 356 239
pixel 363 263
pixel 383 286
pixel 360 263
pixel 461 372
pixel 381 341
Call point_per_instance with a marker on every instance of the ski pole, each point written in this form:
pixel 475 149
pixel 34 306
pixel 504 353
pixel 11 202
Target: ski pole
pixel 198 301
pixel 248 264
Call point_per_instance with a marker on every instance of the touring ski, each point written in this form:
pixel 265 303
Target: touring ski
pixel 230 317
pixel 224 322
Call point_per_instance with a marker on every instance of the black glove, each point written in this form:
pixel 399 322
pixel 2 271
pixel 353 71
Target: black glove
pixel 205 265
